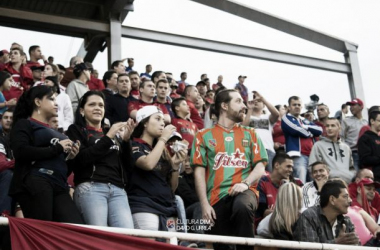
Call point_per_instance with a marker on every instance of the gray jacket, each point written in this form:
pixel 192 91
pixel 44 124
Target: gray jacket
pixel 76 89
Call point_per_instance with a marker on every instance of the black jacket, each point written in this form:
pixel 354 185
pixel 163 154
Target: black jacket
pixel 186 189
pixel 25 153
pixel 369 152
pixel 117 108
pixel 96 162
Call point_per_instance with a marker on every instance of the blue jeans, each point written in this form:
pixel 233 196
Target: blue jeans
pixel 271 155
pixel 181 214
pixel 301 165
pixel 103 204
pixel 5 182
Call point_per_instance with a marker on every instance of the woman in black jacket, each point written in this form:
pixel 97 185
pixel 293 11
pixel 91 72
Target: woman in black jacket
pixel 39 182
pixel 101 165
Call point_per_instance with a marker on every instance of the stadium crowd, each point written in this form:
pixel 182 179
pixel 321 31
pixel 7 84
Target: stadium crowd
pixel 148 152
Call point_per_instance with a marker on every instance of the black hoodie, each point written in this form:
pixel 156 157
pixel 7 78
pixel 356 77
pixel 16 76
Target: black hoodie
pixel 369 152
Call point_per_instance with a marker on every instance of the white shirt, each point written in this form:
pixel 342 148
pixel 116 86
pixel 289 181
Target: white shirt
pixel 263 128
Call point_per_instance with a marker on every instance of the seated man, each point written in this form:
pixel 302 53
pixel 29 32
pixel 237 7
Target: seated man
pixel 365 194
pixel 326 223
pixel 310 191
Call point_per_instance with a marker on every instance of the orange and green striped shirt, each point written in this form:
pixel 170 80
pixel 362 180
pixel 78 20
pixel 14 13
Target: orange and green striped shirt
pixel 228 156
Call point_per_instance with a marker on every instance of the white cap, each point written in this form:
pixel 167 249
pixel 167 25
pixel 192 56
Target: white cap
pixel 146 111
pixel 176 134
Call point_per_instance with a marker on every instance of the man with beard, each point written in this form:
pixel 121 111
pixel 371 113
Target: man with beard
pixel 232 159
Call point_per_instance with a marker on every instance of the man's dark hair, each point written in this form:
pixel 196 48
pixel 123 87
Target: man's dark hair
pixel 222 97
pixel 124 74
pixel 343 106
pixel 278 106
pixel 203 75
pixel 372 116
pixel 148 65
pixel 133 72
pixel 50 57
pixel 33 48
pixel 156 74
pixel 296 98
pixel 142 83
pixel 187 90
pixel 183 73
pixel 331 187
pixel 373 108
pixel 280 158
pixel 160 81
pixel 116 63
pixel 108 76
pixel 176 102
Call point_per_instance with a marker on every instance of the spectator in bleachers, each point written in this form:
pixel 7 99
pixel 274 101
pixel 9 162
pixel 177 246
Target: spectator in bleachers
pixel 49 70
pixel 117 105
pixel 69 74
pixel 326 223
pixel 62 72
pixel 299 135
pixel 368 127
pixel 341 114
pixel 369 145
pixel 110 83
pixel 6 162
pixel 54 123
pixel 6 81
pixel 162 89
pixel 201 107
pixel 118 67
pixel 102 164
pixel 243 88
pixel 182 122
pixel 262 123
pixel 182 83
pixel 203 76
pixel 158 75
pixel 333 152
pixel 131 63
pixel 147 94
pixel 228 159
pixel 202 88
pixel 208 84
pixel 365 193
pixel 278 135
pixel 147 75
pixel 135 84
pixel 219 84
pixel 65 110
pixel 42 155
pixel 191 95
pixel 78 87
pixel 174 87
pixel 4 56
pixel 155 178
pixel 21 74
pixel 269 184
pixel 50 59
pixel 94 83
pixel 310 191
pixel 37 74
pixel 35 55
pixel 16 45
pixel 351 126
pixel 323 113
pixel 210 95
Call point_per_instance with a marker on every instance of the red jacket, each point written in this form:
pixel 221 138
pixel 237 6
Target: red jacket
pixel 194 115
pixel 23 80
pixel 95 84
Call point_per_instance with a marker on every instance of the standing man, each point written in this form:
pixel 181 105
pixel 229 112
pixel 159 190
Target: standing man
pixel 299 135
pixel 135 84
pixel 341 114
pixel 228 159
pixel 243 89
pixel 182 83
pixel 369 145
pixel 262 123
pixel 333 152
pixel 323 113
pixel 147 75
pixel 131 63
pixel 351 127
pixel 78 87
pixel 191 94
pixel 219 84
pixel 162 90
pixel 118 67
pixel 35 55
pixel 69 74
pixel 202 89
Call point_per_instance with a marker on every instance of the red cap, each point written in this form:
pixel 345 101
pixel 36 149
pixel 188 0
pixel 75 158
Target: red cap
pixel 355 101
pixel 5 51
pixel 367 182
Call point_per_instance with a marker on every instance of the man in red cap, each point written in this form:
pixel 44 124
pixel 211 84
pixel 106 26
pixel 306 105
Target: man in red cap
pixel 366 189
pixel 351 127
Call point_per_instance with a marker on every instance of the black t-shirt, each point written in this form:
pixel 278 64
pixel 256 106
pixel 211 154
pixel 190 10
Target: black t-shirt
pixel 44 136
pixel 152 184
pixel 107 169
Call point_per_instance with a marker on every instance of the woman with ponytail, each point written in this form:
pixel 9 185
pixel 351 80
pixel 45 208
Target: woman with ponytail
pixel 41 154
pixel 100 172
pixel 155 178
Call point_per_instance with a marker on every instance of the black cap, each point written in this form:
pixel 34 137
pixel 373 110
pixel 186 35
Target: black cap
pixel 242 77
pixel 61 67
pixel 201 82
pixel 33 68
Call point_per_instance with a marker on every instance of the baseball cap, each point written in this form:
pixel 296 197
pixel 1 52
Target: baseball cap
pixel 33 68
pixel 355 101
pixel 242 77
pixel 368 181
pixel 176 135
pixel 146 111
pixel 5 51
pixel 80 67
pixel 201 82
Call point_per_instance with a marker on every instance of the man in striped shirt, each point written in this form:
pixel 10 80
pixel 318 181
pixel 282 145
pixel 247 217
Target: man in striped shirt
pixel 229 159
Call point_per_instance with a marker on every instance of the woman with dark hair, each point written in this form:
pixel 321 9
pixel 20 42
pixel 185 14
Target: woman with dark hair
pixel 5 84
pixel 100 169
pixel 39 182
pixel 155 178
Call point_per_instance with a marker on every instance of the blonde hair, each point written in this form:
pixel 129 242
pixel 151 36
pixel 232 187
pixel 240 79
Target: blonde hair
pixel 287 209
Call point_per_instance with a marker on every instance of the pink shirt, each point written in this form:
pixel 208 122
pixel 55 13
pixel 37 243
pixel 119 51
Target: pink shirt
pixel 360 228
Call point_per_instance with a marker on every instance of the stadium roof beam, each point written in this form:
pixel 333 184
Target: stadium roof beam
pixel 233 49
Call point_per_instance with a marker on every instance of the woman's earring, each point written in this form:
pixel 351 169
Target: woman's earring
pixel 38 111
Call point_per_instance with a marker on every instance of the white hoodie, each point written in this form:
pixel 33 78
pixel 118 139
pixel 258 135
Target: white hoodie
pixel 336 155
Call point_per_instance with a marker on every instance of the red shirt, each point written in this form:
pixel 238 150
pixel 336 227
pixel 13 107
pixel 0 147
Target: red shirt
pixel 352 190
pixel 194 115
pixel 324 133
pixel 138 104
pixel 23 80
pixel 278 135
pixel 95 84
pixel 135 93
pixel 181 87
pixel 175 95
pixel 186 128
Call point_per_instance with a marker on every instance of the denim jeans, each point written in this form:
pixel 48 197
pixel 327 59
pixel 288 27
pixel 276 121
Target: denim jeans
pixel 5 182
pixel 301 165
pixel 103 204
pixel 181 214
